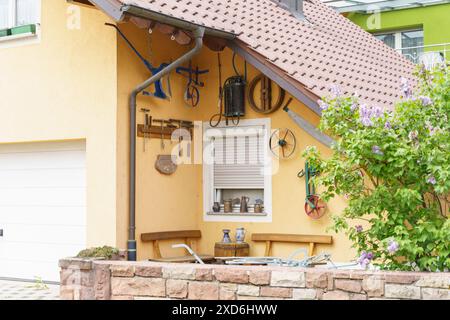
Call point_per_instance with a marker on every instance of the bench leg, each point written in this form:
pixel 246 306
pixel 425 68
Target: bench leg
pixel 311 249
pixel 268 249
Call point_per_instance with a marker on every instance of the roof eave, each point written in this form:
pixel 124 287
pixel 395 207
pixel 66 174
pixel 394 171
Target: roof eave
pixel 118 11
pixel 298 90
pixel 111 7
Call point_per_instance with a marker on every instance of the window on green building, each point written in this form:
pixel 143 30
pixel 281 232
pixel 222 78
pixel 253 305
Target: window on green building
pixel 409 43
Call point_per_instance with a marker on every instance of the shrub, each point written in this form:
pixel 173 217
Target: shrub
pixel 393 167
pixel 99 252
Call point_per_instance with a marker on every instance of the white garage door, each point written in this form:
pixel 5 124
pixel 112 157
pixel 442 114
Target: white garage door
pixel 42 207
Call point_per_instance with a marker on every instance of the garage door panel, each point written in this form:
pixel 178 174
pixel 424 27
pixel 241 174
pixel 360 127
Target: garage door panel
pixel 51 215
pixel 42 160
pixel 38 252
pixel 41 178
pixel 43 233
pixel 42 207
pixel 20 197
pixel 30 270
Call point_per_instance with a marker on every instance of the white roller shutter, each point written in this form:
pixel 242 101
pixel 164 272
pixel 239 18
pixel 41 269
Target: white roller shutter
pixel 239 161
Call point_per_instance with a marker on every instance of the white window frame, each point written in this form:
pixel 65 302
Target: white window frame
pixel 208 177
pixel 25 38
pixel 398 37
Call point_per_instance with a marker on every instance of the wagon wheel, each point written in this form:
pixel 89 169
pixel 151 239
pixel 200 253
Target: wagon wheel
pixel 283 143
pixel 192 96
pixel 319 209
pixel 266 105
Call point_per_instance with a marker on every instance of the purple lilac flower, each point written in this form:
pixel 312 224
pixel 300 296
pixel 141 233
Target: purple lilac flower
pixel 359 229
pixel 367 114
pixel 432 180
pixel 377 150
pixel 365 258
pixel 354 106
pixel 388 125
pixel 323 105
pixel 426 101
pixel 335 91
pixel 393 246
pixel 406 88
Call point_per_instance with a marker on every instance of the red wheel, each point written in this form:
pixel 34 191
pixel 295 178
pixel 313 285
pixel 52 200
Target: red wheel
pixel 319 209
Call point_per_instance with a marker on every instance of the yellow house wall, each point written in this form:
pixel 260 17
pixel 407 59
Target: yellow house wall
pixel 64 88
pixel 175 202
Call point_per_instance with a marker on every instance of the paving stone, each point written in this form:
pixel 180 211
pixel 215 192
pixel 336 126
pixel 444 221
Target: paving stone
pixel 248 290
pixel 259 277
pixel 435 294
pixel 177 288
pixel 291 279
pixel 401 291
pixel 276 292
pixel 138 287
pixel 18 290
pixel 348 285
pixel 373 286
pixel 179 272
pixel 304 294
pixel 231 275
pixel 203 290
pixel 336 295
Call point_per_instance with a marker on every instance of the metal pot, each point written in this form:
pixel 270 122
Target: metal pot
pixel 228 206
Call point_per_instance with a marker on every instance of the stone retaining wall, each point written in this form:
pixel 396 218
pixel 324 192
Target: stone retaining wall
pixel 104 280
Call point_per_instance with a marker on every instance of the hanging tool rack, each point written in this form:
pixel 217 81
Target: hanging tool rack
pixel 163 129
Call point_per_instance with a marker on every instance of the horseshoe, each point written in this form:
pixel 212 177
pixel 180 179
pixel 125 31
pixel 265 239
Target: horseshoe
pixel 266 106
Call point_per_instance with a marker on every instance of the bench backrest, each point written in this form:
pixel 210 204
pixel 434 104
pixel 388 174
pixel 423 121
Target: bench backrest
pixel 186 235
pixel 312 240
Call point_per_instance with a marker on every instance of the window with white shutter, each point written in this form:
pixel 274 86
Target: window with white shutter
pixel 237 164
pixel 19 22
pixel 16 13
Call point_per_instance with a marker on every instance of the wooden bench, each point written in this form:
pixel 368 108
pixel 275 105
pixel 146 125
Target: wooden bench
pixel 187 237
pixel 312 240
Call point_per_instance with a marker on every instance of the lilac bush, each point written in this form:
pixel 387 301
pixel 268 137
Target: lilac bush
pixel 393 168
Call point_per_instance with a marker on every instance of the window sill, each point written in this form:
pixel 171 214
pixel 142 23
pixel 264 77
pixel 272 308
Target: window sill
pixel 237 214
pixel 18 36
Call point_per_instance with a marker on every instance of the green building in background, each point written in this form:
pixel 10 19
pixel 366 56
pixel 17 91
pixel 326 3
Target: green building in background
pixel 418 29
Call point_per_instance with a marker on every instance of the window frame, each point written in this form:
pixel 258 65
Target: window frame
pixel 208 177
pixel 398 37
pixel 25 37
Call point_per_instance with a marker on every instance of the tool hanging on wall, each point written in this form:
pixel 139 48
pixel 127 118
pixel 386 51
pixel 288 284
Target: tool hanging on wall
pixel 165 165
pixel 183 134
pixel 266 95
pixel 282 143
pixel 231 96
pixel 147 125
pixel 217 118
pixel 159 91
pixel 192 93
pixel 161 124
pixel 234 94
pixel 315 207
pixel 308 127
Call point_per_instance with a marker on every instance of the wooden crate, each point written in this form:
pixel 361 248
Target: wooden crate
pixel 231 249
